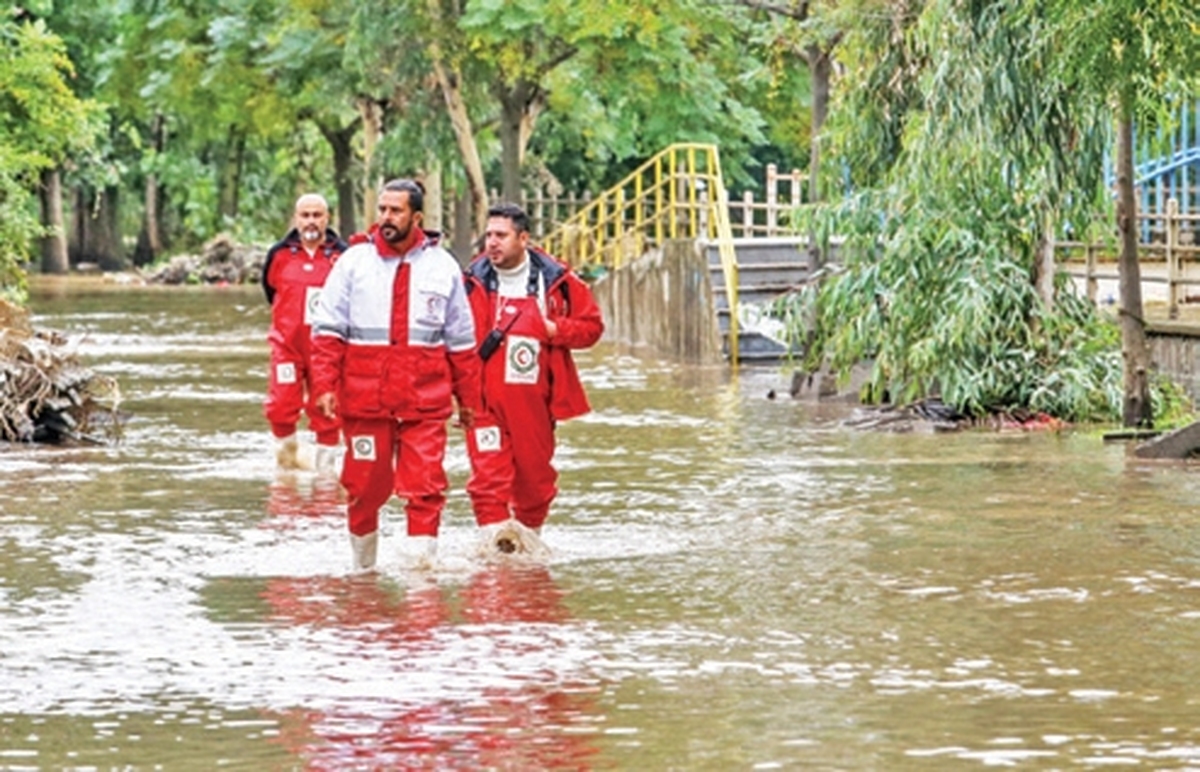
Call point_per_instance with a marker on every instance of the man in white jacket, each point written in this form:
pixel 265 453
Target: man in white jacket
pixel 393 341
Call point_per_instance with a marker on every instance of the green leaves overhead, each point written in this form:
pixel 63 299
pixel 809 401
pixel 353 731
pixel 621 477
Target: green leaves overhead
pixel 42 121
pixel 960 152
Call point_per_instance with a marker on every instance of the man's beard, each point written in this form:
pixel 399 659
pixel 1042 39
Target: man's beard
pixel 311 234
pixel 393 235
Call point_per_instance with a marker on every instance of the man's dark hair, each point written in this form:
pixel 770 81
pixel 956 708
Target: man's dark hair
pixel 414 189
pixel 520 220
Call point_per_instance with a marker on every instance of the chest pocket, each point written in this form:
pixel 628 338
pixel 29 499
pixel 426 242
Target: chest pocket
pixel 427 312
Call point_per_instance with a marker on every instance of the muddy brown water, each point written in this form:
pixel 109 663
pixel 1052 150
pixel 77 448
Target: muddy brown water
pixel 736 583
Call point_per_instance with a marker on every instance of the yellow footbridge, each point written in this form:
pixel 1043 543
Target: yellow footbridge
pixel 677 194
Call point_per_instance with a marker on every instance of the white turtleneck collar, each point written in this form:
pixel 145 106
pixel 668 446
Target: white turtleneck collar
pixel 514 282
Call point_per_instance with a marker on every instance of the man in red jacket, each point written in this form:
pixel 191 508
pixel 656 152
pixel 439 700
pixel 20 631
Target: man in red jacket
pixel 530 311
pixel 292 276
pixel 393 340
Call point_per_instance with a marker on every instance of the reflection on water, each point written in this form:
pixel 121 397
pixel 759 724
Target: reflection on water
pixel 737 582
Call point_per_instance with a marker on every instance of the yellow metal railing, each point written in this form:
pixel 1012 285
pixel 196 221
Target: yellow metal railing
pixel 677 194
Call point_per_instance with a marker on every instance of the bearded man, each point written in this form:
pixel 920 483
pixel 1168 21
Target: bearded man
pixel 393 343
pixel 292 277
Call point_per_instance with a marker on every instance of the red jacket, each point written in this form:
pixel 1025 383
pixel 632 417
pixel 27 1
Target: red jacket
pixel 569 304
pixel 393 335
pixel 291 279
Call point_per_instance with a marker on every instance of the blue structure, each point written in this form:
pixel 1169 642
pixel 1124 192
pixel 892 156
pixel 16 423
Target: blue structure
pixel 1176 174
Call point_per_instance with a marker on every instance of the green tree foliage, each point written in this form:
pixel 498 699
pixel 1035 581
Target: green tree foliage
pixel 221 112
pixel 41 122
pixel 660 73
pixel 960 150
pixel 615 81
pixel 1139 58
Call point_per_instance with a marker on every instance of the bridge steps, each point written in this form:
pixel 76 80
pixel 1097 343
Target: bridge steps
pixel 767 268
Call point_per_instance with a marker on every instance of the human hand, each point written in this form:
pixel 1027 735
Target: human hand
pixel 327 404
pixel 466 417
pixel 551 329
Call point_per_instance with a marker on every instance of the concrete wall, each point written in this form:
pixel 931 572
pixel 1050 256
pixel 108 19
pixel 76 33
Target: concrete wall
pixel 1175 351
pixel 663 301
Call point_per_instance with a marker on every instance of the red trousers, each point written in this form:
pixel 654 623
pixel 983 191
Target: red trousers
pixel 386 456
pixel 288 394
pixel 511 448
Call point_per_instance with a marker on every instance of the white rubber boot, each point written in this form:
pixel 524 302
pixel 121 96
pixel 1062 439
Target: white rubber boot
pixel 364 549
pixel 426 552
pixel 328 459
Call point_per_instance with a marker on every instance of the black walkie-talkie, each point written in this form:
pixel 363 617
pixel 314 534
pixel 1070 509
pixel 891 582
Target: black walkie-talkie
pixel 493 339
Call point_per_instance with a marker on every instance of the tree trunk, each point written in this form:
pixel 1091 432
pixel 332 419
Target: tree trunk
pixel 341 142
pixel 820 67
pixel 510 144
pixel 372 119
pixel 1043 267
pixel 520 105
pixel 434 203
pixel 1137 410
pixel 80 220
pixel 461 244
pixel 107 237
pixel 153 224
pixel 54 244
pixel 230 171
pixel 460 120
pixel 97 237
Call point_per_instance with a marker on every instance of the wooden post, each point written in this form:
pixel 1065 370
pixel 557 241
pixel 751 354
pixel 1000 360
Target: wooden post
pixel 748 214
pixel 537 202
pixel 1174 277
pixel 1093 284
pixel 772 198
pixel 1045 268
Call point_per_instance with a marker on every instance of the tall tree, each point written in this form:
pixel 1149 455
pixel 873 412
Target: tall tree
pixel 1139 58
pixel 654 68
pixel 305 63
pixel 960 149
pixel 42 122
pixel 810 30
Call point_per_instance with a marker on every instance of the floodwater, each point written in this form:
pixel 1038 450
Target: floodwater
pixel 737 582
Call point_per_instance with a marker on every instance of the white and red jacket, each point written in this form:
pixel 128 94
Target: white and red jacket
pixel 393 335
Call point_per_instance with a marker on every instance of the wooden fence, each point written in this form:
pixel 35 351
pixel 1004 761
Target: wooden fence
pixel 750 217
pixel 1170 257
pixel 1169 252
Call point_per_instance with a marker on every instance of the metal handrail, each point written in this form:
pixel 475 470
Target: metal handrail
pixel 677 194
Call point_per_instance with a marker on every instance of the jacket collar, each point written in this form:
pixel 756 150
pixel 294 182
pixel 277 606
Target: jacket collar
pixel 540 264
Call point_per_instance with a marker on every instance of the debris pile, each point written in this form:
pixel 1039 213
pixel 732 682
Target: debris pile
pixel 45 394
pixel 934 415
pixel 222 261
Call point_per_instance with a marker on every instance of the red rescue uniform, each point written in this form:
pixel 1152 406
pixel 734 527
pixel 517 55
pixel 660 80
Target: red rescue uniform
pixel 292 280
pixel 530 382
pixel 394 339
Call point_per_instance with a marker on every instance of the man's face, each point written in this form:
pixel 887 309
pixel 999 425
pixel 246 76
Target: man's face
pixel 396 219
pixel 503 243
pixel 311 220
